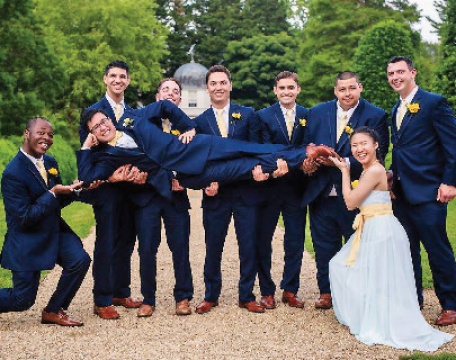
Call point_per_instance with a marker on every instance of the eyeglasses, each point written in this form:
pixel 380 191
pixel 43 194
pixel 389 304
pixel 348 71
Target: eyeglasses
pixel 96 127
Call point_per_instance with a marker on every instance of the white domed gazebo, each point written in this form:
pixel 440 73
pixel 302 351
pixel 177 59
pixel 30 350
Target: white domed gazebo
pixel 192 77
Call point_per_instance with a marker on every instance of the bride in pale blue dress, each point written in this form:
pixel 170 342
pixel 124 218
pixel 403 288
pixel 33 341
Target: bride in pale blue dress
pixel 372 282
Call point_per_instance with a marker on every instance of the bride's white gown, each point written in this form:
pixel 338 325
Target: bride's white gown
pixel 376 297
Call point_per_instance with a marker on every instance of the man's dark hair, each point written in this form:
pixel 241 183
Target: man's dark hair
pixel 287 75
pixel 116 64
pixel 345 75
pixel 407 60
pixel 218 68
pixel 88 114
pixel 31 123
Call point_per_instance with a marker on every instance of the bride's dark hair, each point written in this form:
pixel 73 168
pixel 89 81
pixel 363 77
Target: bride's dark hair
pixel 374 135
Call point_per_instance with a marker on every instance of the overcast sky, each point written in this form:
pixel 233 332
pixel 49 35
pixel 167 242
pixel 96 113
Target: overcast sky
pixel 427 9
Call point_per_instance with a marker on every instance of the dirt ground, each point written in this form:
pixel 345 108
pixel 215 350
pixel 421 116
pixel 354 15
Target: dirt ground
pixel 227 332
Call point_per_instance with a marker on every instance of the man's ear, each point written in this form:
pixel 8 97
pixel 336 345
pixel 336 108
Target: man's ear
pixel 26 134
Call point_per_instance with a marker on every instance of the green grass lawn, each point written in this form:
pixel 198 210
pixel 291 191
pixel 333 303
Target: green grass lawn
pixel 78 215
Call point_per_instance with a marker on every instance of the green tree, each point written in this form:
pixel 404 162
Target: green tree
pixel 176 16
pixel 446 71
pixel 254 63
pixel 31 76
pixel 86 38
pixel 376 47
pixel 217 22
pixel 331 36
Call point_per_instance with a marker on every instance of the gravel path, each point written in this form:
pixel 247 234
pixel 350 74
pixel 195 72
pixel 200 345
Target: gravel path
pixel 227 332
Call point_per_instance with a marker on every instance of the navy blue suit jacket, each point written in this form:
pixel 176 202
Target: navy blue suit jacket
pixel 321 128
pixel 246 128
pixel 274 131
pixel 32 215
pixel 425 144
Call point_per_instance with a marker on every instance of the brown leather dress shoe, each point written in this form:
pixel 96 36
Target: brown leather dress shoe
pixel 145 310
pixel 60 318
pixel 292 299
pixel 106 312
pixel 324 302
pixel 128 302
pixel 268 302
pixel 205 306
pixel 183 308
pixel 252 306
pixel 446 317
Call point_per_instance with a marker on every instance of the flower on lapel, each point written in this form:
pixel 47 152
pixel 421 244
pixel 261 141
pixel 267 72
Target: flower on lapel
pixel 236 116
pixel 302 122
pixel 175 132
pixel 53 171
pixel 348 129
pixel 128 122
pixel 354 183
pixel 413 107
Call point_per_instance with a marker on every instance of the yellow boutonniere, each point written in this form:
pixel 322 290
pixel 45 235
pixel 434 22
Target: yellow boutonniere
pixel 349 130
pixel 302 122
pixel 53 171
pixel 354 183
pixel 236 116
pixel 128 122
pixel 175 132
pixel 413 108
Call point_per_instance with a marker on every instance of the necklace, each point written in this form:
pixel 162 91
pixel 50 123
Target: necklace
pixel 362 173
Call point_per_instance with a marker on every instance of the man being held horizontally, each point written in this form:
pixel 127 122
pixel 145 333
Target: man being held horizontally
pixel 37 237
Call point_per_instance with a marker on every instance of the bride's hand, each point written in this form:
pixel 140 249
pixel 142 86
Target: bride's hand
pixel 339 162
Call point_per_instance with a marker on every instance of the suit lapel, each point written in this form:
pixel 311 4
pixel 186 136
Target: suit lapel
pixel 231 121
pixel 408 117
pixel 280 119
pixel 352 123
pixel 33 170
pixel 297 124
pixel 332 124
pixel 107 107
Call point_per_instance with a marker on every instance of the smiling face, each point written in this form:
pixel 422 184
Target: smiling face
pixel 169 90
pixel 117 81
pixel 401 78
pixel 102 127
pixel 38 138
pixel 363 148
pixel 286 91
pixel 348 92
pixel 219 88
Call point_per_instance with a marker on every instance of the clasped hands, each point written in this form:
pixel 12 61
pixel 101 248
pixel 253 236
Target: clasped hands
pixel 318 155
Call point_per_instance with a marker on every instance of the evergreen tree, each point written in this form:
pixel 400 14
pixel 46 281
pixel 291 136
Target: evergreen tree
pixel 331 36
pixel 376 47
pixel 254 63
pixel 446 71
pixel 31 76
pixel 86 38
pixel 176 16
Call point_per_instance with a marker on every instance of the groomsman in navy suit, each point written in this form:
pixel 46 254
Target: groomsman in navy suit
pixel 283 123
pixel 239 200
pixel 331 123
pixel 176 218
pixel 115 230
pixel 423 134
pixel 37 237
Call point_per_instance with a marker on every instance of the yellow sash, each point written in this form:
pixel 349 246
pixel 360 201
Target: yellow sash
pixel 365 212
